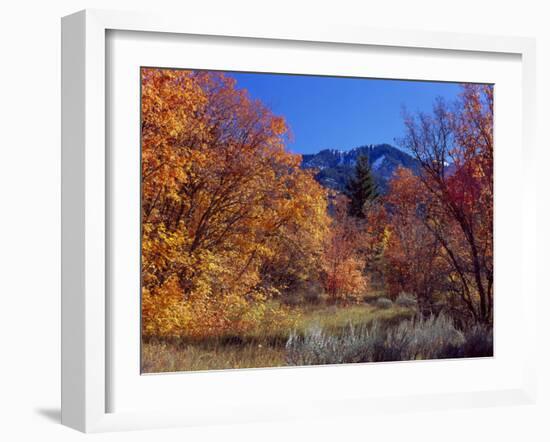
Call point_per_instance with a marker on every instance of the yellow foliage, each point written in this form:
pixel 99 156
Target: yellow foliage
pixel 228 217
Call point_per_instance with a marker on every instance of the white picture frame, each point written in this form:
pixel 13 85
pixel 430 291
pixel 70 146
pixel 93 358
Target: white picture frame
pixel 86 353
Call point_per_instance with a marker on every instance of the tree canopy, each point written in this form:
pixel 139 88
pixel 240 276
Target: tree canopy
pixel 225 207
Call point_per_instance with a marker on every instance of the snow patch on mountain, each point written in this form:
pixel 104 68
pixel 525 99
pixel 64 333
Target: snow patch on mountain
pixel 376 164
pixel 335 167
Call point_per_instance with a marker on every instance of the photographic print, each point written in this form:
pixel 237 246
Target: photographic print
pixel 293 220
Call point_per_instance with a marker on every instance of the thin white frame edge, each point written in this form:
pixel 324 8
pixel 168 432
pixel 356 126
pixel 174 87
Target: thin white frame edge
pixel 83 337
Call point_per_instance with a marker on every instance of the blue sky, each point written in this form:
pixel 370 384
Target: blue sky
pixel 342 113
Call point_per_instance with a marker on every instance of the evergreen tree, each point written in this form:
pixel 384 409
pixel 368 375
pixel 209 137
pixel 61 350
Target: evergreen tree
pixel 361 188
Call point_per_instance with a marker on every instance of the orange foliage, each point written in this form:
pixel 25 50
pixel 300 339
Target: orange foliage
pixel 343 262
pixel 414 262
pixel 221 202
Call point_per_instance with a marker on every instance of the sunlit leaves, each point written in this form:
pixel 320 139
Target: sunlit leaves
pixel 228 217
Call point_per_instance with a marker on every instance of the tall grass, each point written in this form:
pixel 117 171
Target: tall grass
pixel 263 346
pixel 323 335
pixel 160 357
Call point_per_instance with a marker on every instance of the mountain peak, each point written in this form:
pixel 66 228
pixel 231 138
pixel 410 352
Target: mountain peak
pixel 336 166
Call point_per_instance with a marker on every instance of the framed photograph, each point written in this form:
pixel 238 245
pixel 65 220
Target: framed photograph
pixel 262 222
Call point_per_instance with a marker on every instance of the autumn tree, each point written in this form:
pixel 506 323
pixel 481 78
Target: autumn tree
pixel 413 257
pixel 222 204
pixel 343 261
pixel 454 147
pixel 355 243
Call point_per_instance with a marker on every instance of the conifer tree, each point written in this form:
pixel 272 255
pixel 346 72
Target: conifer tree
pixel 361 188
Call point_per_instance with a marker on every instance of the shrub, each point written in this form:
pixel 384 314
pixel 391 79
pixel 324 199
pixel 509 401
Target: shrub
pixel 479 342
pixel 312 297
pixel 383 303
pixel 431 338
pixel 317 347
pixel 312 349
pixel 406 300
pixel 396 346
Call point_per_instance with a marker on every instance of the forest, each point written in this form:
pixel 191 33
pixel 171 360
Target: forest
pixel 248 261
